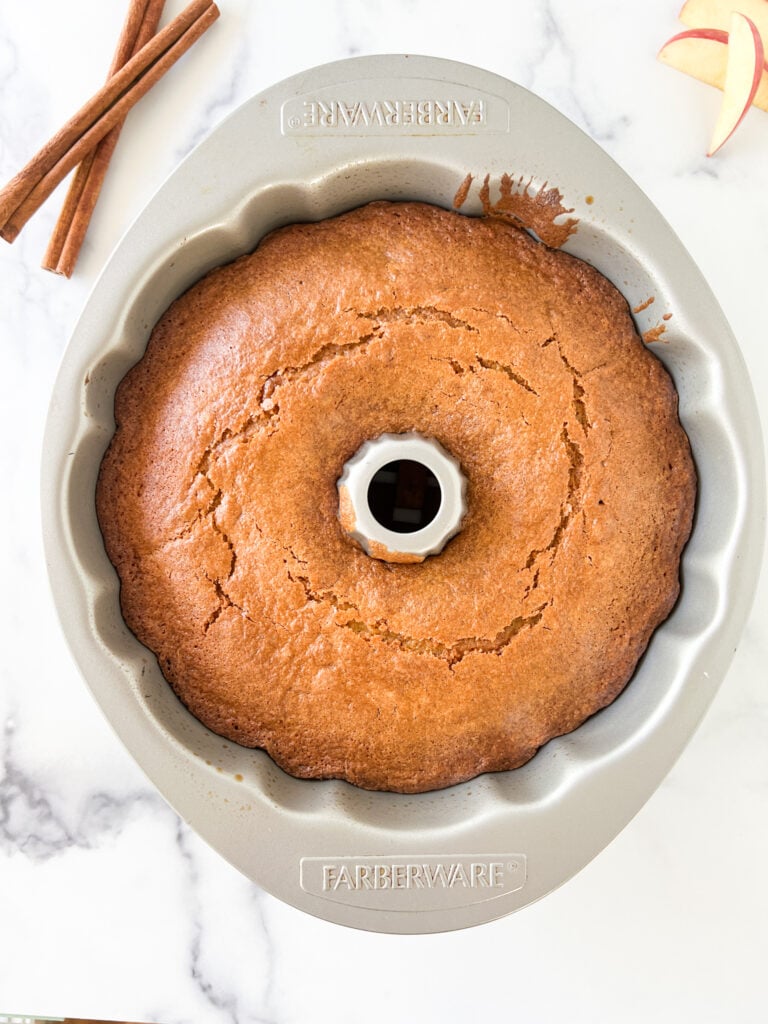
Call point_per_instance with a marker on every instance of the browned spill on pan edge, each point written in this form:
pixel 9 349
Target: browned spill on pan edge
pixel 536 211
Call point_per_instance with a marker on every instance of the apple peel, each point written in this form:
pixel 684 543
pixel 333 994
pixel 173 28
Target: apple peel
pixel 744 70
pixel 717 35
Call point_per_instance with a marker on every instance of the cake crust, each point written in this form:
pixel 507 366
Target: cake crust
pixel 218 504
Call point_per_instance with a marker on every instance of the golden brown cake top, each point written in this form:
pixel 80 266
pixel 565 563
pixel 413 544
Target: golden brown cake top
pixel 219 508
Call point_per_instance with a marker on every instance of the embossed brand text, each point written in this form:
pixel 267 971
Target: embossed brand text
pixel 405 114
pixel 423 882
pixel 474 875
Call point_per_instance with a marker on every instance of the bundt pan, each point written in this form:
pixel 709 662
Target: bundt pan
pixel 396 128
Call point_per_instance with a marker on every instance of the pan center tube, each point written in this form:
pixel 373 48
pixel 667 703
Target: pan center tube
pixel 402 497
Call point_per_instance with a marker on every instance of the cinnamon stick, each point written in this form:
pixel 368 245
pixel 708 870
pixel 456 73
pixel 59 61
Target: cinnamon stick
pixel 29 189
pixel 140 25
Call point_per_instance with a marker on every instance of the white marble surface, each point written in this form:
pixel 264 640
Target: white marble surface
pixel 109 906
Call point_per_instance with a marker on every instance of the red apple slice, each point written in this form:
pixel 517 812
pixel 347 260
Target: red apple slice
pixel 742 77
pixel 702 56
pixel 702 53
pixel 717 14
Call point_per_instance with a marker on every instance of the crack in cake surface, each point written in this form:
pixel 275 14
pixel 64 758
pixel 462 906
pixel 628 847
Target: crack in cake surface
pixel 579 391
pixel 571 505
pixel 268 408
pixel 454 652
pixel 451 653
pixel 416 314
pixel 493 364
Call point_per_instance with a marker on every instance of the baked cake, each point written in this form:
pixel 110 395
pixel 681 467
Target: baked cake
pixel 218 503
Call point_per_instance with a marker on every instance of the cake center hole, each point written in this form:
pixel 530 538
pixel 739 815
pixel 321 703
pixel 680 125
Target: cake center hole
pixel 404 496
